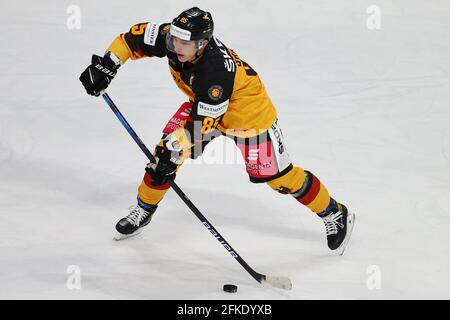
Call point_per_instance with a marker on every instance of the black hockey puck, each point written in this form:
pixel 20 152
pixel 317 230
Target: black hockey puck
pixel 229 288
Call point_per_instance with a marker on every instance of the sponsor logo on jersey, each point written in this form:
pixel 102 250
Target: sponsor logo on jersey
pixel 210 110
pixel 279 137
pixel 186 112
pixel 229 62
pixel 215 92
pixel 279 147
pixel 259 166
pixel 253 154
pixel 151 33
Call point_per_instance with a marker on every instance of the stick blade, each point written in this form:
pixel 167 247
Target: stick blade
pixel 279 282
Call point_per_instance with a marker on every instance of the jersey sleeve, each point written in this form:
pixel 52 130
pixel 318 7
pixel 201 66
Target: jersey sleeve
pixel 142 40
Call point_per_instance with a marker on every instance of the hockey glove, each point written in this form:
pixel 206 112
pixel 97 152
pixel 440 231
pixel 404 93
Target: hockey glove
pixel 99 74
pixel 167 159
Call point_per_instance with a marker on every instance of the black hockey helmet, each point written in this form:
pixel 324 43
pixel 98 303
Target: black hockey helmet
pixel 193 24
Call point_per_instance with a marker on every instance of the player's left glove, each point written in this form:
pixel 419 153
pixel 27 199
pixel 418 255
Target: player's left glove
pixel 167 159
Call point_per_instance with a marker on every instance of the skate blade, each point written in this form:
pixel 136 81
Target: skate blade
pixel 120 236
pixel 350 223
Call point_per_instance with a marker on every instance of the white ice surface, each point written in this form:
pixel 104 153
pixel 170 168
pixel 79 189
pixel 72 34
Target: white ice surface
pixel 366 110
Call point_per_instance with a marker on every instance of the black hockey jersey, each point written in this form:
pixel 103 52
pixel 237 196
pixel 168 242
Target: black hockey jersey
pixel 225 91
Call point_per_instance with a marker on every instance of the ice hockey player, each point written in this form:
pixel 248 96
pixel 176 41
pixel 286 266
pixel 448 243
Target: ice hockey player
pixel 226 96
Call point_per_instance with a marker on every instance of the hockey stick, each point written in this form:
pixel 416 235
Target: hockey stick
pixel 279 282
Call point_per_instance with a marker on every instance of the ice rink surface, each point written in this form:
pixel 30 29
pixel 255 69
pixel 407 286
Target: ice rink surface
pixel 365 110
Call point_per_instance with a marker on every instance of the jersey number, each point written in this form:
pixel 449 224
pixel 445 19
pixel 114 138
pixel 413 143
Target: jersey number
pixel 138 29
pixel 208 124
pixel 249 70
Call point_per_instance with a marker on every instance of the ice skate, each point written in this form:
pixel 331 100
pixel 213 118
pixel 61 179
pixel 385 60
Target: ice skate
pixel 133 223
pixel 339 226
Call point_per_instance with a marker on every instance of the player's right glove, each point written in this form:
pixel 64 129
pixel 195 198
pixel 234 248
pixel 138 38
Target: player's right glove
pixel 167 159
pixel 98 75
